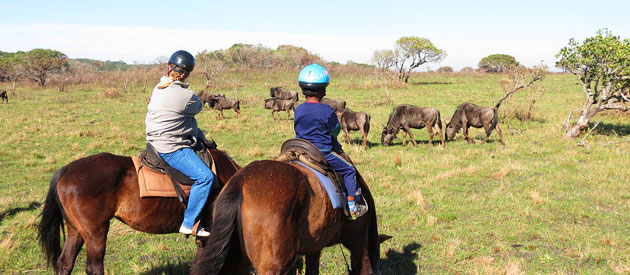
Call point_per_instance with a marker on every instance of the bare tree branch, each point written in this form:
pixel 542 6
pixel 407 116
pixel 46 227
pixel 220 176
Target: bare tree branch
pixel 581 143
pixel 508 93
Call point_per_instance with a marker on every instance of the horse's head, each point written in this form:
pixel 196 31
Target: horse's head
pixel 387 135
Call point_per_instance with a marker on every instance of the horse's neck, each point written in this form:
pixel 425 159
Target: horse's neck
pixel 225 164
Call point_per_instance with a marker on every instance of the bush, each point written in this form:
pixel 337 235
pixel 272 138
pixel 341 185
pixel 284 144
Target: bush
pixel 497 63
pixel 445 69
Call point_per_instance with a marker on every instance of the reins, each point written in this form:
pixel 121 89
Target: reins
pixel 345 260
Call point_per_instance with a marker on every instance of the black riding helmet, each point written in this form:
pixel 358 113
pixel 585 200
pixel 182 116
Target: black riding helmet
pixel 183 59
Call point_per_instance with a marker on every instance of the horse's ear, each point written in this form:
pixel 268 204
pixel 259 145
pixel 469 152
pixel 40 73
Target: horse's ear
pixel 383 237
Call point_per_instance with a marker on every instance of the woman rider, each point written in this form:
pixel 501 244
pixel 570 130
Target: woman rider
pixel 318 123
pixel 172 130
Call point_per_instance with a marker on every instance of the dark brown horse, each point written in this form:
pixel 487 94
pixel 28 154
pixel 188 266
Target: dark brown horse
pixel 467 115
pixel 271 212
pixel 405 116
pixel 87 193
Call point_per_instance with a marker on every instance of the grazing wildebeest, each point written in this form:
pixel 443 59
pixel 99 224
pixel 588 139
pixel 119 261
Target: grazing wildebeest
pixel 469 114
pixel 87 193
pixel 277 105
pixel 222 103
pixel 281 93
pixel 270 212
pixel 205 97
pixel 354 121
pixel 337 104
pixel 4 96
pixel 405 117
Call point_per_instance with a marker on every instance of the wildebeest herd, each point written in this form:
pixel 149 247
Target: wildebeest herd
pixel 403 118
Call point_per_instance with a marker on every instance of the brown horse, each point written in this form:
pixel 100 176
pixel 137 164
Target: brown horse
pixel 87 193
pixel 272 211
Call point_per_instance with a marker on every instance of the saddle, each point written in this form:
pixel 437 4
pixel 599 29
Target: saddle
pixel 301 150
pixel 151 159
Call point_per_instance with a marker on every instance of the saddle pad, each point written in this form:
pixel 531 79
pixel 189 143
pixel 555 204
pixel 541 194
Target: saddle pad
pixel 336 199
pixel 153 184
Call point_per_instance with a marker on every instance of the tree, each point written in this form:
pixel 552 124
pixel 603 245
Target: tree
pixel 10 68
pixel 37 64
pixel 467 70
pixel 411 52
pixel 445 69
pixel 383 59
pixel 602 64
pixel 293 57
pixel 497 63
pixel 211 65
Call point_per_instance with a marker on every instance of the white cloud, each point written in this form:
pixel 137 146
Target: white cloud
pixel 145 44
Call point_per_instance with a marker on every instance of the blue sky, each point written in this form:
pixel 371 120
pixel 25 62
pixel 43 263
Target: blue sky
pixel 141 31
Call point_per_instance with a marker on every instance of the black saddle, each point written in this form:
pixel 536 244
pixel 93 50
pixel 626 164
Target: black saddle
pixel 151 159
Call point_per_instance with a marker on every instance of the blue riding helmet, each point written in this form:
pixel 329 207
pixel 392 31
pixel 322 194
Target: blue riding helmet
pixel 313 79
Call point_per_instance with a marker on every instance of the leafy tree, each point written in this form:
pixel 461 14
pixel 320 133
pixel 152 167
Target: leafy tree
pixel 37 64
pixel 445 69
pixel 293 57
pixel 467 70
pixel 413 51
pixel 602 64
pixel 383 59
pixel 497 63
pixel 10 67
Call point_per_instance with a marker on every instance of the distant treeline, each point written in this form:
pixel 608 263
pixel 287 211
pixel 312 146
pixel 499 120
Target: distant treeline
pixel 102 66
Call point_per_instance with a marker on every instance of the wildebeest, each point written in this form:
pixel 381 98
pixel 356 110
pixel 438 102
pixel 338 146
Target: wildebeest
pixel 4 96
pixel 222 103
pixel 277 105
pixel 337 104
pixel 282 93
pixel 405 117
pixel 468 114
pixel 354 121
pixel 205 97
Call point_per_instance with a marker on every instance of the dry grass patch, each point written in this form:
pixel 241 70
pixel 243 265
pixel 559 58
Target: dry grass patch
pixel 513 268
pixel 451 247
pixel 499 175
pixel 536 198
pixel 111 93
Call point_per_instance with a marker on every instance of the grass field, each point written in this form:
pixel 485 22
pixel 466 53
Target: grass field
pixel 541 205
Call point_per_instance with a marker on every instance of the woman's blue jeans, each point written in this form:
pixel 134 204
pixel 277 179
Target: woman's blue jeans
pixel 186 161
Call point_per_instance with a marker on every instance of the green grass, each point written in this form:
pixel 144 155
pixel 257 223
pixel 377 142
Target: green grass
pixel 540 205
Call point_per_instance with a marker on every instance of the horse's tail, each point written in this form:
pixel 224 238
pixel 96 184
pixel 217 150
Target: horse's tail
pixel 495 120
pixel 224 227
pixel 51 224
